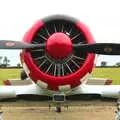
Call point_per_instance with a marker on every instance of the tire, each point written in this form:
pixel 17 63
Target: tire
pixel 23 75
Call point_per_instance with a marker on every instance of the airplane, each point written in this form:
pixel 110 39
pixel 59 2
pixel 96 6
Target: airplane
pixel 58 55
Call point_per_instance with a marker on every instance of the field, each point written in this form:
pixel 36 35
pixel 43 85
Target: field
pixel 79 110
pixel 110 73
pixel 83 110
pixel 9 74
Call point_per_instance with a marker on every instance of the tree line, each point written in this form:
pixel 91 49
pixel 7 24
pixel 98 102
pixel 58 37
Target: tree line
pixel 5 62
pixel 104 64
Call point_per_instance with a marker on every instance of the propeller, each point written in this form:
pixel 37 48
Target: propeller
pixel 99 48
pixel 7 44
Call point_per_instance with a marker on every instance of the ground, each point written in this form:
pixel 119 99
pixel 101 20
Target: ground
pixel 82 110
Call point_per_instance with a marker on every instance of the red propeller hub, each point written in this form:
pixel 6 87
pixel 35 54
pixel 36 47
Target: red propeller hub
pixel 59 45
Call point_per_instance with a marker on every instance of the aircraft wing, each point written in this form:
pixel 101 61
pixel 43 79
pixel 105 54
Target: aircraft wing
pixel 14 91
pixel 112 91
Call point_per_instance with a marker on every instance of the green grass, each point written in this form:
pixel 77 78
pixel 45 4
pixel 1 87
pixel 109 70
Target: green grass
pixel 109 73
pixel 9 74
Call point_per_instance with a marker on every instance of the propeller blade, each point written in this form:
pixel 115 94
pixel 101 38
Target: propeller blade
pixel 99 48
pixel 6 44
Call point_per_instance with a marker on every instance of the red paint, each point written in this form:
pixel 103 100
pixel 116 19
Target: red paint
pixel 108 82
pixel 10 44
pixel 6 82
pixel 59 45
pixel 52 81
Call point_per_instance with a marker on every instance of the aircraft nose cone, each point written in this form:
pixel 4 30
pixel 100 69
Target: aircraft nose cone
pixel 59 45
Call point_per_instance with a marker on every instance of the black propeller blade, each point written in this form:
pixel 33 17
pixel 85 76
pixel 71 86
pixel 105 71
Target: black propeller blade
pixel 99 48
pixel 6 44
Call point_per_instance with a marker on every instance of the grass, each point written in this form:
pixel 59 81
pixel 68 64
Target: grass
pixel 9 74
pixel 109 73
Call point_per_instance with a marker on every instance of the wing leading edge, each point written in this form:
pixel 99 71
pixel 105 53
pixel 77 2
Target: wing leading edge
pixel 111 91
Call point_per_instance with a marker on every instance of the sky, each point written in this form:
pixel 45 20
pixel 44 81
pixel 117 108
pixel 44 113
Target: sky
pixel 102 17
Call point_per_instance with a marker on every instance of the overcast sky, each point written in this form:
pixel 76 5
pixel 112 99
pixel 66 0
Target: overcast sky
pixel 102 17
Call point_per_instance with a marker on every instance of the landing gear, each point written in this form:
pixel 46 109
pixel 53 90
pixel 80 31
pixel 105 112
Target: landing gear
pixel 58 99
pixel 23 75
pixel 117 117
pixel 58 108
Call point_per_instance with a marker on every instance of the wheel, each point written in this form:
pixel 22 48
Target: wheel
pixel 58 108
pixel 23 75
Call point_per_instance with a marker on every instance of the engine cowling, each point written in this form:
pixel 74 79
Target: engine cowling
pixel 58 65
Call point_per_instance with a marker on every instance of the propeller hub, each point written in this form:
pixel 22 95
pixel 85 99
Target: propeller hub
pixel 59 45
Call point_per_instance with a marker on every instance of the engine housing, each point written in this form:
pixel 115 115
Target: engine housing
pixel 65 72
